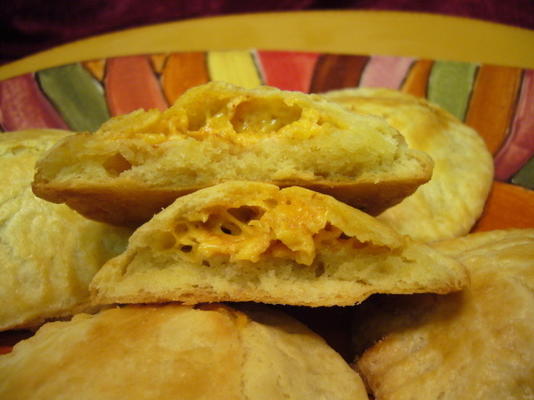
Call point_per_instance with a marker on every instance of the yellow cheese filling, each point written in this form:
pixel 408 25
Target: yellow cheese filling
pixel 284 228
pixel 239 120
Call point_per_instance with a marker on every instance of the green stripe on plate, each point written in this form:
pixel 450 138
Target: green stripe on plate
pixel 525 176
pixel 76 95
pixel 450 86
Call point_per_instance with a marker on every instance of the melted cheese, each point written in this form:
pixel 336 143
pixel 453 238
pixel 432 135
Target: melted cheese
pixel 240 120
pixel 290 229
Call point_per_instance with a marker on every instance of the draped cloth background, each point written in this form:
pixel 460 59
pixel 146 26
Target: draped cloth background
pixel 29 26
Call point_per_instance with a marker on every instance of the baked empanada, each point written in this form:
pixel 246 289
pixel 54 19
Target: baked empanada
pixel 136 164
pixel 246 241
pixel 448 205
pixel 477 344
pixel 48 252
pixel 177 352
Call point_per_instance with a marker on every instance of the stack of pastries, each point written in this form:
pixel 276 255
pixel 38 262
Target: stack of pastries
pixel 234 197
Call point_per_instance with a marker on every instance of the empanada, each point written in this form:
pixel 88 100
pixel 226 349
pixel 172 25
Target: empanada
pixel 177 352
pixel 48 252
pixel 448 205
pixel 246 241
pixel 477 344
pixel 138 163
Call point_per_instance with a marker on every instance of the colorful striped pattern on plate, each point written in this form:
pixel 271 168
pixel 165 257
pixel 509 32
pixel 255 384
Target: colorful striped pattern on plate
pixel 497 101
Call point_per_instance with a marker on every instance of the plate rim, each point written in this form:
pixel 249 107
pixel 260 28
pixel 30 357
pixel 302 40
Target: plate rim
pixel 394 33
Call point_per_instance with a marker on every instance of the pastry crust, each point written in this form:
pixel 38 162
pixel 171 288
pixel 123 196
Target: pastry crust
pixel 48 253
pixel 476 344
pixel 138 163
pixel 448 205
pixel 246 241
pixel 177 352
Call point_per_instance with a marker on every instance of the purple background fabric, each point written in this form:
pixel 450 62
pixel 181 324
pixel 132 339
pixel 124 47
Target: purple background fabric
pixel 29 26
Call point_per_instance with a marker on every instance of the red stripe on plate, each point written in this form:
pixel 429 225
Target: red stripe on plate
pixel 386 72
pixel 288 70
pixel 519 146
pixel 23 106
pixel 337 72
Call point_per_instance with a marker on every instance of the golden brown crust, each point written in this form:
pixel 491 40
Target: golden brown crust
pixel 137 163
pixel 48 253
pixel 450 203
pixel 475 344
pixel 245 241
pixel 171 351
pixel 133 204
pixel 125 205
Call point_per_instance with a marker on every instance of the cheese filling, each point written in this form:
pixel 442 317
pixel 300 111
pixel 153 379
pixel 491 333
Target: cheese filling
pixel 240 120
pixel 288 229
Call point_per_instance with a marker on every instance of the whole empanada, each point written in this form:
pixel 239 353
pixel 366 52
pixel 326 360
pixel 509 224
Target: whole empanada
pixel 176 352
pixel 48 252
pixel 477 344
pixel 450 203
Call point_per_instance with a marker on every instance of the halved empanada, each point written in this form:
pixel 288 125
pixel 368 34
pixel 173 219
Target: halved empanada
pixel 244 241
pixel 138 163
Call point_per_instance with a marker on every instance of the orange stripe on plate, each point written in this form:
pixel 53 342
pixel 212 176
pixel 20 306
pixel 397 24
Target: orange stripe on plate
pixel 508 206
pixel 492 103
pixel 181 72
pixel 131 84
pixel 416 82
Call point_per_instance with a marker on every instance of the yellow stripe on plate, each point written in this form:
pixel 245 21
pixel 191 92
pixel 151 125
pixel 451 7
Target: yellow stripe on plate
pixel 158 62
pixel 97 68
pixel 237 67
